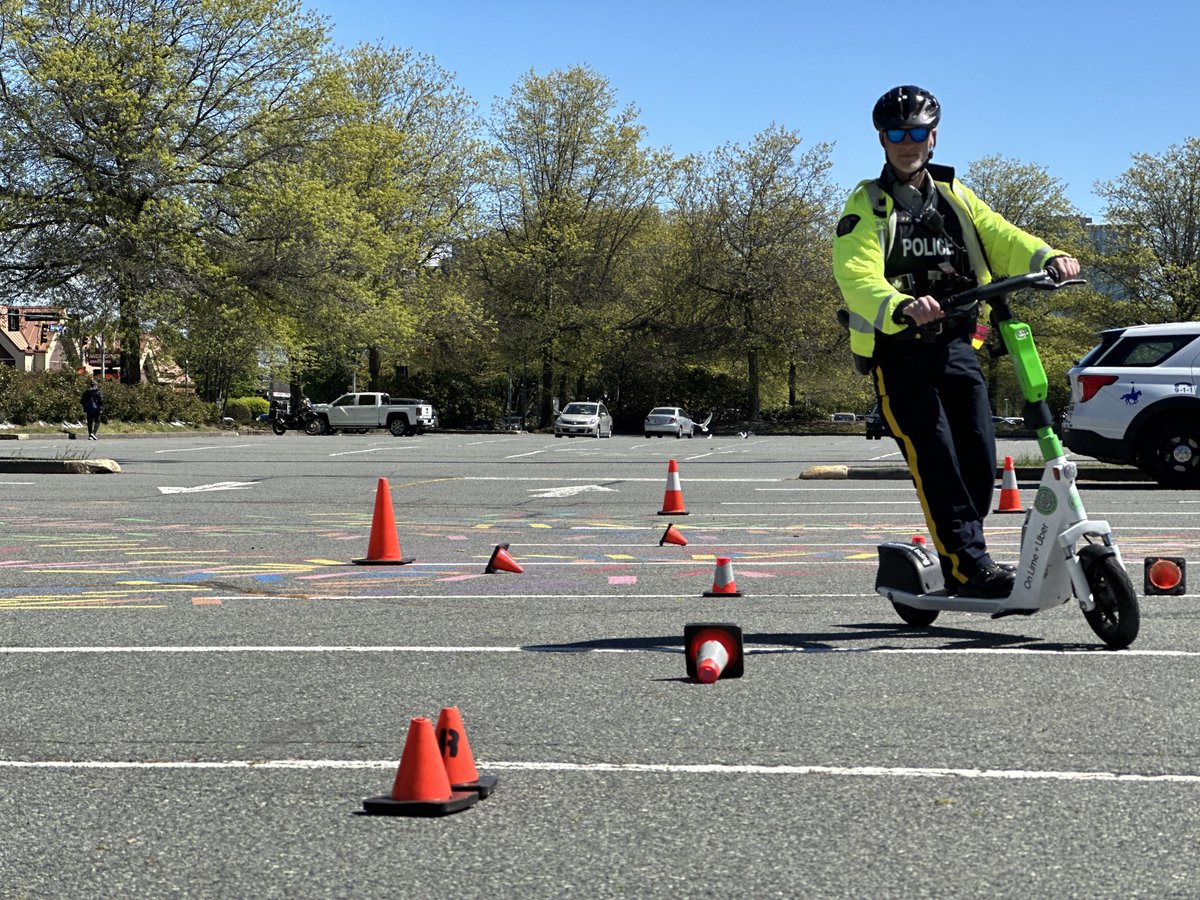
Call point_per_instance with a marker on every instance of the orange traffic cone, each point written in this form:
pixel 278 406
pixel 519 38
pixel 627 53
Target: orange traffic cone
pixel 502 562
pixel 723 583
pixel 714 650
pixel 383 549
pixel 457 756
pixel 1010 496
pixel 673 498
pixel 672 536
pixel 422 787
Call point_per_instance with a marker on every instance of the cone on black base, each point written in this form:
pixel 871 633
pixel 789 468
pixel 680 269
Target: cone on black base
pixel 672 536
pixel 457 756
pixel 1165 576
pixel 383 549
pixel 713 651
pixel 723 583
pixel 502 562
pixel 422 787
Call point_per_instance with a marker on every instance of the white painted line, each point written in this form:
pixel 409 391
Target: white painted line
pixel 628 768
pixel 614 478
pixel 18 482
pixel 374 450
pixel 874 503
pixel 205 488
pixel 516 456
pixel 825 487
pixel 770 650
pixel 213 447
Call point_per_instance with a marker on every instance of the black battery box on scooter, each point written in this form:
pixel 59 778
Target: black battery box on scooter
pixel 911 568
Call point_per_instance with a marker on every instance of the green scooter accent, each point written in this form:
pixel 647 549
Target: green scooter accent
pixel 1031 376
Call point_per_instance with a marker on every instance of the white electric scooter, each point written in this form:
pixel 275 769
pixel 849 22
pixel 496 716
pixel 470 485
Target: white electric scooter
pixel 1063 552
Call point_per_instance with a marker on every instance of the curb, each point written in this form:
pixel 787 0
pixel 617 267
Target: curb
pixel 1027 473
pixel 60 466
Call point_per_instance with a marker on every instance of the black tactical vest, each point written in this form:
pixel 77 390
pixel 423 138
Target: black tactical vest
pixel 928 256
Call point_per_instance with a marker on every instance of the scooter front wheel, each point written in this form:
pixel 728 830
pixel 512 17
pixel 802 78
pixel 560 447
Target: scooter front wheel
pixel 913 616
pixel 1115 617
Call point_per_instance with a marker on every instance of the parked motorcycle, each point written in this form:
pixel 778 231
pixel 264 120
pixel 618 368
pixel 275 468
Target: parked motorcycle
pixel 304 419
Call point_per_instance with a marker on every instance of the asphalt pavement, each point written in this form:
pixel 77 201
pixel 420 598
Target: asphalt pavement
pixel 201 688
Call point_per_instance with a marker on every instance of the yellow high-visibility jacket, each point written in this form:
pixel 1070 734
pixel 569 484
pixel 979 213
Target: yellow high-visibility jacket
pixel 864 240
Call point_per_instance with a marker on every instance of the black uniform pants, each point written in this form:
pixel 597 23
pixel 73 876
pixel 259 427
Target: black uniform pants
pixel 934 398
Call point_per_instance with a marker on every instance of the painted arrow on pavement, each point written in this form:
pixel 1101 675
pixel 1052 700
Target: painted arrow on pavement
pixel 570 491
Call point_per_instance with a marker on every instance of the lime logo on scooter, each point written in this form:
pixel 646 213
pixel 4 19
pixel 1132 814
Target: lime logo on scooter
pixel 1045 502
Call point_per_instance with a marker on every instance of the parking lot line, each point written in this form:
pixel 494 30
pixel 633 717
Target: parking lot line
pixel 626 768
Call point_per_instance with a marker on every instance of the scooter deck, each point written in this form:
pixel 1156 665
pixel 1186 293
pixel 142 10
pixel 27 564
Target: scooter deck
pixel 942 600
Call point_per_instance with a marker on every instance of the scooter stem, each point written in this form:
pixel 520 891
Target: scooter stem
pixel 1049 443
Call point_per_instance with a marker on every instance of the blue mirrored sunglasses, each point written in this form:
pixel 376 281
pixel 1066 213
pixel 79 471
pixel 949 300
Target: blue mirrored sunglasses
pixel 896 135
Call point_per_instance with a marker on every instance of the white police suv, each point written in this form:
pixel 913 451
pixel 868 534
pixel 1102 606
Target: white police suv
pixel 1134 401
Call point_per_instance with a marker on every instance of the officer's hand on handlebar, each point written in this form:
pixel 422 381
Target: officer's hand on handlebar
pixel 1063 268
pixel 923 310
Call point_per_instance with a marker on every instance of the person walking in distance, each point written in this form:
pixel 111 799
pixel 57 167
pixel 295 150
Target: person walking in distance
pixel 93 406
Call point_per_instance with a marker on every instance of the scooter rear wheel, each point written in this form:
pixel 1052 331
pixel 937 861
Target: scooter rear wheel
pixel 913 616
pixel 1115 618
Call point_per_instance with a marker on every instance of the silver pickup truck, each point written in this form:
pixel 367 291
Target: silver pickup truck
pixel 364 411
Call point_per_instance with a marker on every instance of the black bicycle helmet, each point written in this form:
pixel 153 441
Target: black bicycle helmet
pixel 907 106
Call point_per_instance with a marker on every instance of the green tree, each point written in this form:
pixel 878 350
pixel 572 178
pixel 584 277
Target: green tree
pixel 123 126
pixel 567 188
pixel 1028 196
pixel 337 240
pixel 756 220
pixel 1152 238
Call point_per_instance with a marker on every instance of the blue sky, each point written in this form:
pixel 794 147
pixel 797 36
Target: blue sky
pixel 1074 86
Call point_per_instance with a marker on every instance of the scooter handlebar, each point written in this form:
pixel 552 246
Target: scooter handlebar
pixel 1043 280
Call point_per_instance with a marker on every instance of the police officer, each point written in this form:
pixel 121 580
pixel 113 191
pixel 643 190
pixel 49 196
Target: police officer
pixel 907 239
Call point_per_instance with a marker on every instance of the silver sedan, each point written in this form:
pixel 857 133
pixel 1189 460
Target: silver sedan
pixel 669 420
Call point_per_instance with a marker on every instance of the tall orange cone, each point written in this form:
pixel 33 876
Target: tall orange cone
pixel 673 498
pixel 457 756
pixel 672 536
pixel 1010 495
pixel 502 562
pixel 723 583
pixel 714 650
pixel 422 787
pixel 383 549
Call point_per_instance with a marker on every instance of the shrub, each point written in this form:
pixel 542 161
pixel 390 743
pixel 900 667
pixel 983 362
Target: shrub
pixel 28 397
pixel 244 409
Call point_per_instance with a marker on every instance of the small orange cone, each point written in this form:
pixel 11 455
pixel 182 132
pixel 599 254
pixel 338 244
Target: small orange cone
pixel 502 562
pixel 672 536
pixel 714 650
pixel 383 549
pixel 673 498
pixel 1010 496
pixel 422 787
pixel 723 583
pixel 457 756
